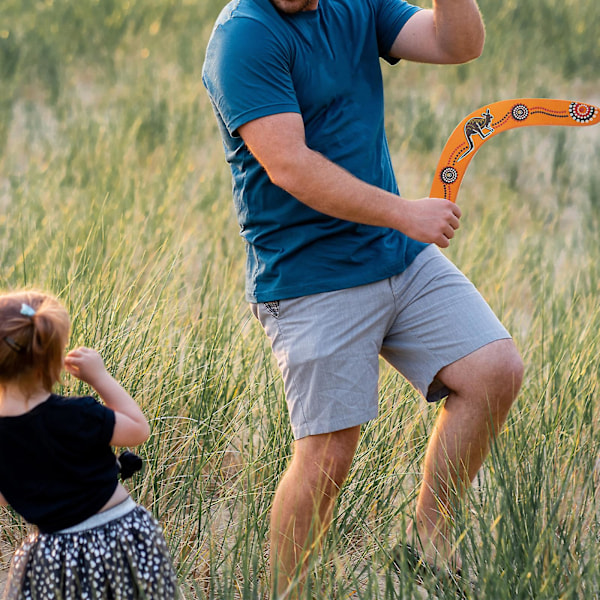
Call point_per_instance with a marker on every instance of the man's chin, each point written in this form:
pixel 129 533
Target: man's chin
pixel 290 7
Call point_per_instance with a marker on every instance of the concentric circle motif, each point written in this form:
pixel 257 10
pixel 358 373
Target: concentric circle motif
pixel 582 113
pixel 520 112
pixel 449 175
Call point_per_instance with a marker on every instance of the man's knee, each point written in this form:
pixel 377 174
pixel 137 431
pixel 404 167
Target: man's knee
pixel 494 371
pixel 517 368
pixel 507 375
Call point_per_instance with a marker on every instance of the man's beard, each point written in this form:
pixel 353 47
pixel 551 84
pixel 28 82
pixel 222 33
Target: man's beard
pixel 291 6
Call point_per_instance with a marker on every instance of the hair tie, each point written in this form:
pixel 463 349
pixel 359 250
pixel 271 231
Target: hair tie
pixel 128 464
pixel 27 310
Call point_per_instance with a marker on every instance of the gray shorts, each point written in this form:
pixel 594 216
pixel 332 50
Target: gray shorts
pixel 327 345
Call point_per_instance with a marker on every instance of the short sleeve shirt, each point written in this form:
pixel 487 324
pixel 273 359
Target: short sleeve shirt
pixel 56 464
pixel 324 65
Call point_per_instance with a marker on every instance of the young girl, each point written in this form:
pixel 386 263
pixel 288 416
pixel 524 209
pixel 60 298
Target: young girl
pixel 57 468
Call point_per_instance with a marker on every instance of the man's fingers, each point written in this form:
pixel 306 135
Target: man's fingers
pixel 442 242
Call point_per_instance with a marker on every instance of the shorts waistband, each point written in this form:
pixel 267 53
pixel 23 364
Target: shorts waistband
pixel 102 518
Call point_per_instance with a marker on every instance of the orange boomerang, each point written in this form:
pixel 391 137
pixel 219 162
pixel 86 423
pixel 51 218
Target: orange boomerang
pixel 491 119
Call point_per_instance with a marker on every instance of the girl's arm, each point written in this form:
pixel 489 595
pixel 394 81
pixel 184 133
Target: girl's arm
pixel 131 426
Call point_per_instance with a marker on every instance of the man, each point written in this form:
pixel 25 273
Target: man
pixel 340 267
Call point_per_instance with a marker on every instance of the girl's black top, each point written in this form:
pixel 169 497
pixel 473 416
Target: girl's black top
pixel 57 467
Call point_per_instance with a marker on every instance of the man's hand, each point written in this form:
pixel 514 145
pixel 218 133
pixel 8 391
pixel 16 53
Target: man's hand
pixel 432 220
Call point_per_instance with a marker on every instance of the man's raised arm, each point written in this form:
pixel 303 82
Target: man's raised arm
pixel 450 33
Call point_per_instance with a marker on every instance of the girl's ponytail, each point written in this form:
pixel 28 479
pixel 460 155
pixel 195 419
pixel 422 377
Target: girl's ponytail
pixel 34 330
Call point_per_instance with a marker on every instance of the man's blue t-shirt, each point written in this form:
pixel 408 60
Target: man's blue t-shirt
pixel 324 65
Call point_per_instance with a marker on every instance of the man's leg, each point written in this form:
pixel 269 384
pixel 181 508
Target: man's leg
pixel 484 385
pixel 304 501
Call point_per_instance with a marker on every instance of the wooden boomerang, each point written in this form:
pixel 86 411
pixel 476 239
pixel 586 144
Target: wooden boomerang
pixel 489 120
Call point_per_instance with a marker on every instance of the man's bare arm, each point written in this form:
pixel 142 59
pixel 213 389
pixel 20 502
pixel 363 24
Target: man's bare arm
pixel 451 33
pixel 278 143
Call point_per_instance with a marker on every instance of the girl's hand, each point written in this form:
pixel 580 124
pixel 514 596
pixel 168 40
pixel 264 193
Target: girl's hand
pixel 131 426
pixel 85 364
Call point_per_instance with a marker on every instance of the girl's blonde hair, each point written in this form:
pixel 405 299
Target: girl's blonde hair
pixel 32 342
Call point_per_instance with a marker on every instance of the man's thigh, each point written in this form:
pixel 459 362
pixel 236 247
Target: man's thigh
pixel 327 348
pixel 443 319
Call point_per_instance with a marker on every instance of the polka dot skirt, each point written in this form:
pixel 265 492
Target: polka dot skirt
pixel 124 559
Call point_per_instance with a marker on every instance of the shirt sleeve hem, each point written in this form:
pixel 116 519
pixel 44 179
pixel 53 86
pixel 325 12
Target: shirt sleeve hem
pixel 400 24
pixel 257 113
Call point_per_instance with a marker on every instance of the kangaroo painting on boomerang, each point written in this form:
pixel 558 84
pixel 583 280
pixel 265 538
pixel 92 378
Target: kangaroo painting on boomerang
pixel 476 125
pixel 489 120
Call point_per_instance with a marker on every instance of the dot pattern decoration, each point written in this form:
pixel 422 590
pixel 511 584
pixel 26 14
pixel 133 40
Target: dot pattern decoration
pixel 449 175
pixel 582 113
pixel 520 112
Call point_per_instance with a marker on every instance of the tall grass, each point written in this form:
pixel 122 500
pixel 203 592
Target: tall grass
pixel 115 196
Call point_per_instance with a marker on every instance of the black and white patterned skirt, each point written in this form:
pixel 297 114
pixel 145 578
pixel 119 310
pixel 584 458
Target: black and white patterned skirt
pixel 119 554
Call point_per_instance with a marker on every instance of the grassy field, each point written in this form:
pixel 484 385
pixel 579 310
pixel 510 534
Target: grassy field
pixel 114 194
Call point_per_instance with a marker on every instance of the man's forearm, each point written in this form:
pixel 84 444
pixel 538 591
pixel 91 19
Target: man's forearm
pixel 326 187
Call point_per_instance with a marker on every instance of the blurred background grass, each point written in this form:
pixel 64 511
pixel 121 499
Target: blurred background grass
pixel 114 194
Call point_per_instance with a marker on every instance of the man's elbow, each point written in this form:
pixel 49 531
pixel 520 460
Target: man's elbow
pixel 463 55
pixel 469 56
pixel 467 49
pixel 294 169
pixel 285 174
pixel 474 48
